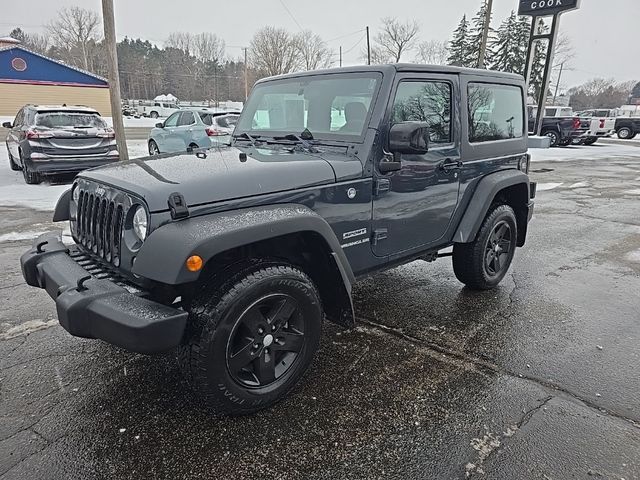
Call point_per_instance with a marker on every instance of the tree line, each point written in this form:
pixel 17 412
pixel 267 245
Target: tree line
pixel 199 66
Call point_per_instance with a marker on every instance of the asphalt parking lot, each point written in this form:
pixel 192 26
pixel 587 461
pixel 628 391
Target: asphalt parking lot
pixel 538 379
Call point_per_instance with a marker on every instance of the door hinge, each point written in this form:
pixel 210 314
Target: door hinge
pixel 379 234
pixel 381 185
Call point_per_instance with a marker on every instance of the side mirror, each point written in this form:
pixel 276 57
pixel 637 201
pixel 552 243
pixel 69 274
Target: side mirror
pixel 160 125
pixel 409 138
pixel 7 125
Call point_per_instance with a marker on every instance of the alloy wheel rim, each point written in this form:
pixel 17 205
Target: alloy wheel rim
pixel 498 249
pixel 266 341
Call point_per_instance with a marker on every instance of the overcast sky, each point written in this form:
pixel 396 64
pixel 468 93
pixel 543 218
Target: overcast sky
pixel 604 33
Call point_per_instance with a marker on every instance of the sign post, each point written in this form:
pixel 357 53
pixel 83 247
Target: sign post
pixel 538 9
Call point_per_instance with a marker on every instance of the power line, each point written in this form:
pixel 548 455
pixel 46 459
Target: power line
pixel 344 36
pixel 291 15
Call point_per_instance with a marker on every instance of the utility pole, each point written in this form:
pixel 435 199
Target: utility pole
pixel 555 95
pixel 368 48
pixel 246 76
pixel 341 55
pixel 485 34
pixel 114 78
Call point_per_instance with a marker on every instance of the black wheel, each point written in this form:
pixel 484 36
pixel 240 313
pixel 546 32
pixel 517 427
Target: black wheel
pixel 12 163
pixel 154 115
pixel 483 263
pixel 625 133
pixel 568 141
pixel 153 148
pixel 251 338
pixel 591 141
pixel 31 178
pixel 553 135
pixel 192 147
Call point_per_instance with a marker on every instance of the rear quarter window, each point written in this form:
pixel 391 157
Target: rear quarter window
pixel 495 112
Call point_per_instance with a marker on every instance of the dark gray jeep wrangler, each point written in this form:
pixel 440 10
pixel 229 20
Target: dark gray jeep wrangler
pixel 236 254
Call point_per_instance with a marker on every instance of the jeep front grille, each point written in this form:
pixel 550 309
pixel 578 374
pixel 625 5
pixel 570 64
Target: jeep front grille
pixel 99 226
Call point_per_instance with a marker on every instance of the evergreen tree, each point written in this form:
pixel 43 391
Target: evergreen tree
pixel 509 46
pixel 460 50
pixel 475 36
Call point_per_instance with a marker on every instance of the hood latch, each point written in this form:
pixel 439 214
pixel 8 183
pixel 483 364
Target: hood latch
pixel 178 206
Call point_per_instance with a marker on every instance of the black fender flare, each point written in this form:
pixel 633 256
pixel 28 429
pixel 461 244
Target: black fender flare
pixel 61 211
pixel 480 202
pixel 163 255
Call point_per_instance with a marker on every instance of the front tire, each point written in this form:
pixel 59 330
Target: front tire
pixel 483 263
pixel 252 337
pixel 153 148
pixel 590 141
pixel 154 115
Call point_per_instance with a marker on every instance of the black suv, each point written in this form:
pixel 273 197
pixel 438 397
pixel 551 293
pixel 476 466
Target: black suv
pixel 236 254
pixel 52 140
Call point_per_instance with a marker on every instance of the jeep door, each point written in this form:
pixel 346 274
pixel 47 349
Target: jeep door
pixel 413 206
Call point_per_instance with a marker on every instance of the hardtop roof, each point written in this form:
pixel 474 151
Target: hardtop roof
pixel 405 67
pixel 62 108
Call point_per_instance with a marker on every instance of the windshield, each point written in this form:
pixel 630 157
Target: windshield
pixel 69 120
pixel 330 107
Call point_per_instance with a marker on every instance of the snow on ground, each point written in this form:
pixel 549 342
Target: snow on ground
pixel 14 192
pixel 542 187
pixel 583 152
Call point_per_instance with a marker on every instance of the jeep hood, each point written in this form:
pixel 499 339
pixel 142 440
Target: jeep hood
pixel 220 174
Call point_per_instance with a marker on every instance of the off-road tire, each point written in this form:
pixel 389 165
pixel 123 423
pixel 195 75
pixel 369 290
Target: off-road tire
pixel 12 163
pixel 625 133
pixel 214 315
pixel 469 259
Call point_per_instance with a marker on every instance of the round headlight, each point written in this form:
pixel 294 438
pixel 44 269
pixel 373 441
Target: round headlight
pixel 75 194
pixel 140 222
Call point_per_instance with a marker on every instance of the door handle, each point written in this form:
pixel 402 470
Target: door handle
pixel 448 165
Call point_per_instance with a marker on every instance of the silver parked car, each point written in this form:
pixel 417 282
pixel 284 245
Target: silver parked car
pixel 52 139
pixel 190 129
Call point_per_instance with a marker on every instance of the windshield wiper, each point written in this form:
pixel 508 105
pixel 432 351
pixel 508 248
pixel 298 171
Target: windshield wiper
pixel 302 139
pixel 252 138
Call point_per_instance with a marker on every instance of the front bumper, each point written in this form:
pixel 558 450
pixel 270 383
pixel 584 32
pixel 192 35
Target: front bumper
pixel 91 306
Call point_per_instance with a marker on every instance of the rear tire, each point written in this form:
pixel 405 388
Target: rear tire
pixel 251 337
pixel 31 178
pixel 625 133
pixel 192 147
pixel 483 263
pixel 154 115
pixel 553 135
pixel 12 163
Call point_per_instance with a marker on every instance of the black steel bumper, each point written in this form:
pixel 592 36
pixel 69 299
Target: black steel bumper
pixel 92 307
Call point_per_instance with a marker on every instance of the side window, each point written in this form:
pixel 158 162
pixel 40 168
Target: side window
pixel 495 112
pixel 206 118
pixel 186 119
pixel 172 121
pixel 428 102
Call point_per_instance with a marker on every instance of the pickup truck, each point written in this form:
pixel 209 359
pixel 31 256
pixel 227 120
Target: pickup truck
pixel 559 124
pixel 235 255
pixel 602 125
pixel 157 109
pixel 625 126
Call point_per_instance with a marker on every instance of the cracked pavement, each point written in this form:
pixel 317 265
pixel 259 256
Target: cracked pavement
pixel 536 379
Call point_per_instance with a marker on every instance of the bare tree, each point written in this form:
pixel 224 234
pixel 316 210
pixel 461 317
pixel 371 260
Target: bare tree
pixel 274 51
pixel 433 52
pixel 33 41
pixel 313 51
pixel 396 38
pixel 76 32
pixel 180 40
pixel 208 47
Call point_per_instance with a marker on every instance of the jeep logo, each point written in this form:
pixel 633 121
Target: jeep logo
pixel 546 7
